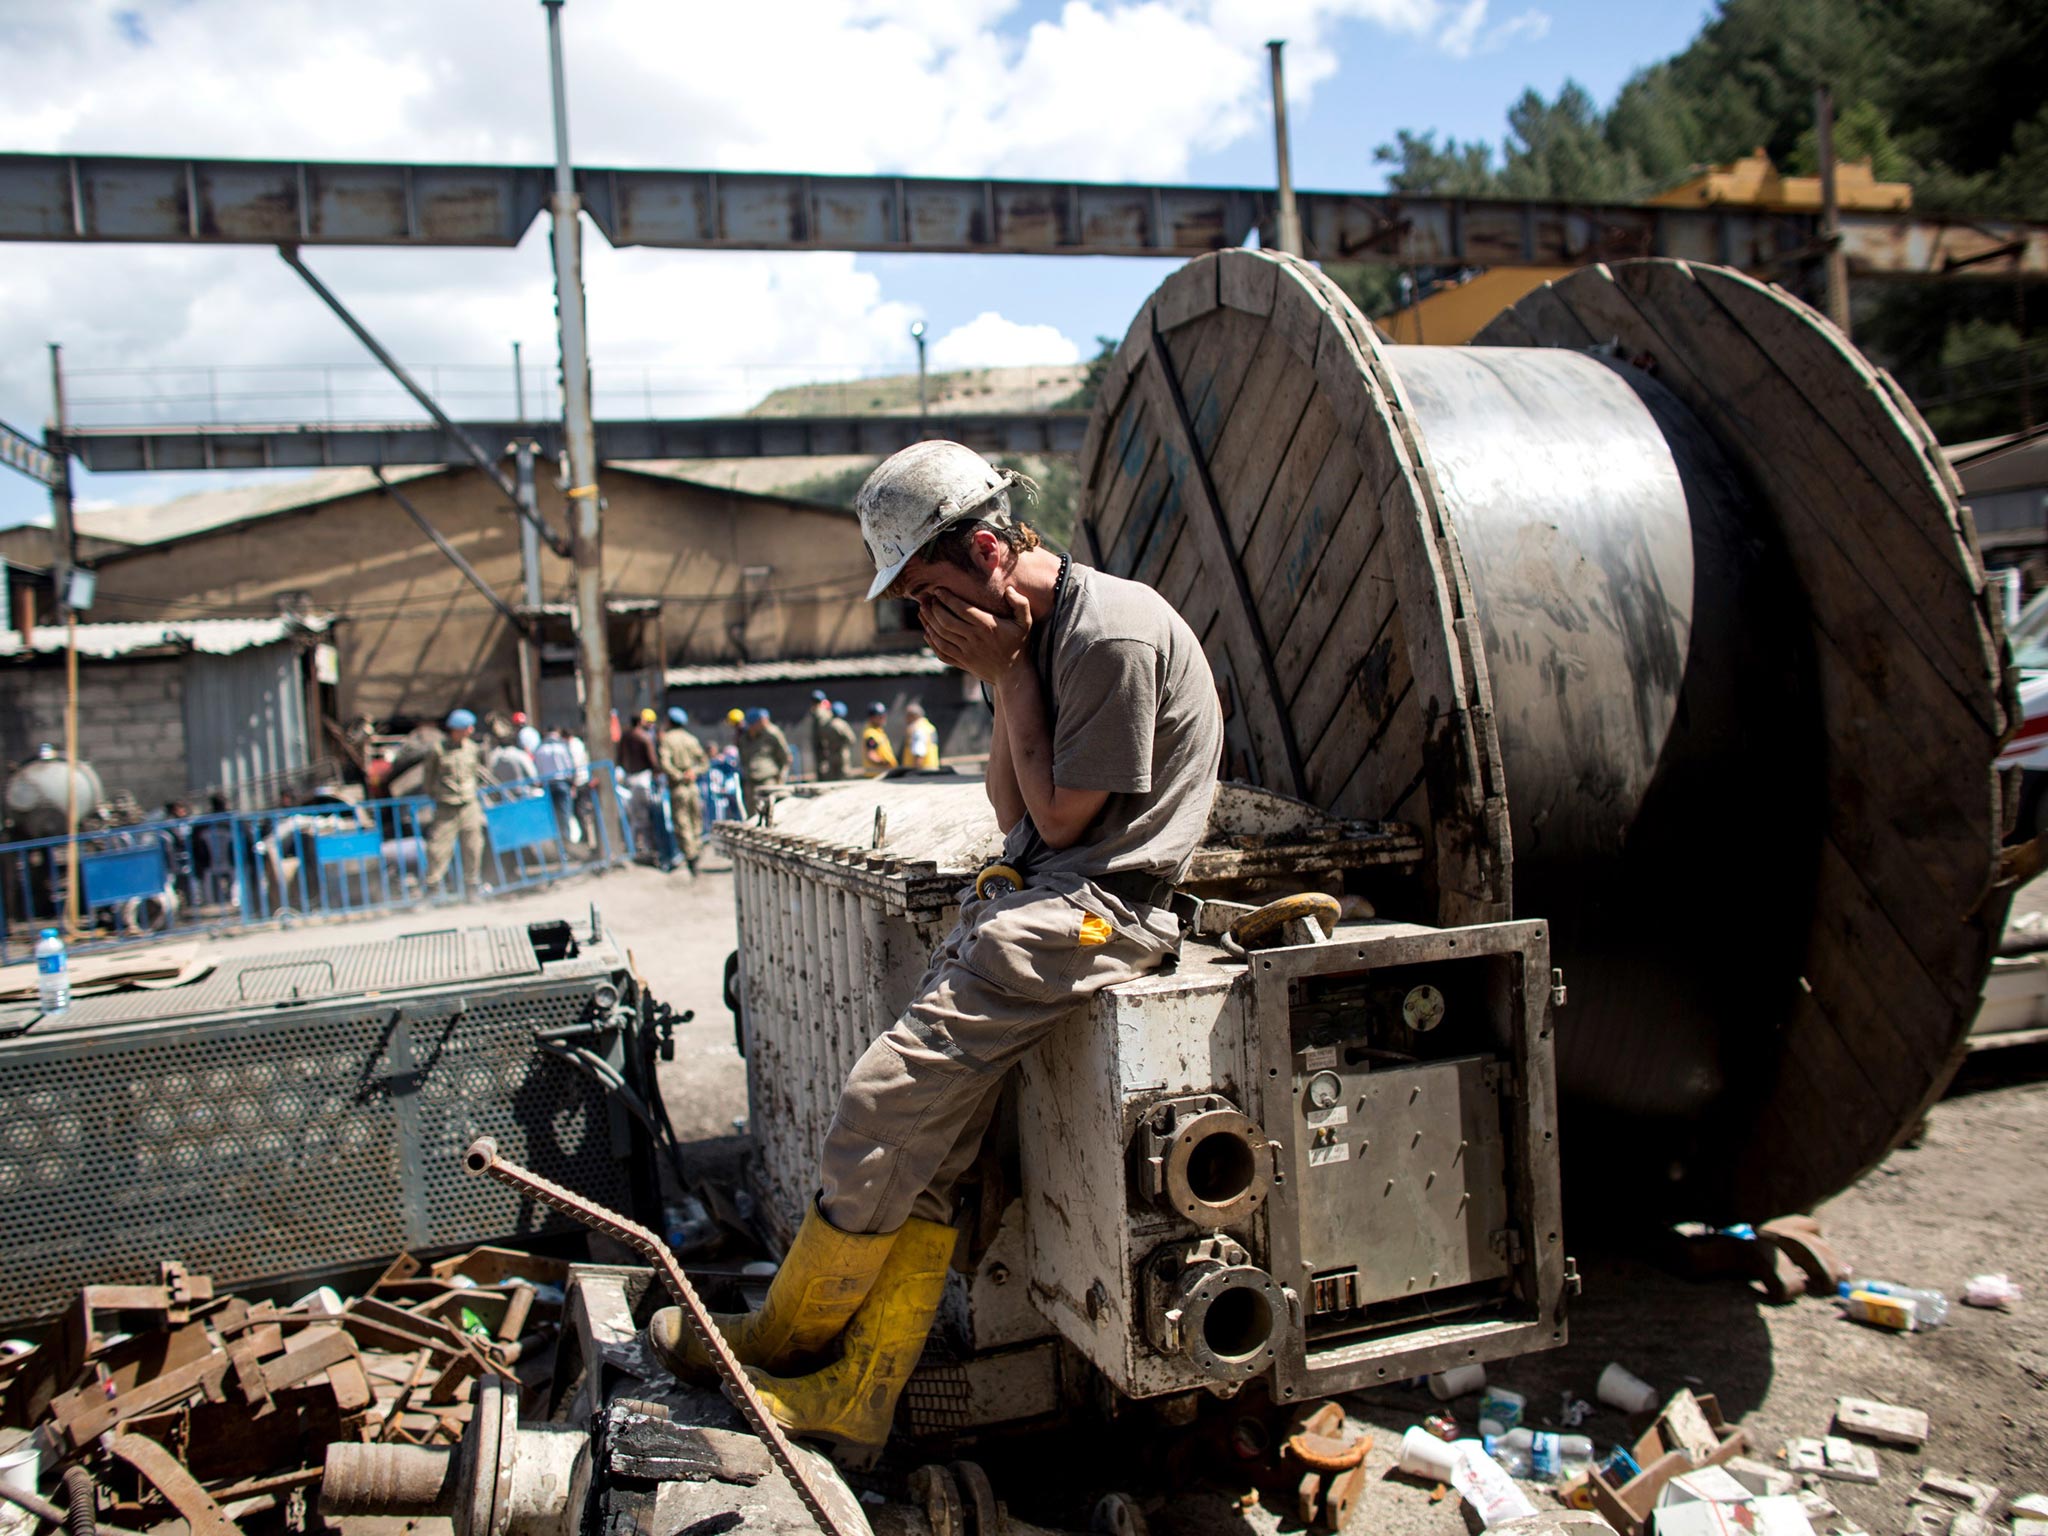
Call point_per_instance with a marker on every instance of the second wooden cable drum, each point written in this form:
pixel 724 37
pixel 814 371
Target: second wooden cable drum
pixel 1656 612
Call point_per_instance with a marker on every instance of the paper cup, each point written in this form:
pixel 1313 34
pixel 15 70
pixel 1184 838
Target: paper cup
pixel 1425 1456
pixel 1621 1388
pixel 1457 1381
pixel 20 1466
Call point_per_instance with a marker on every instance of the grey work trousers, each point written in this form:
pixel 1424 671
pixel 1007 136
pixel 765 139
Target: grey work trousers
pixel 912 1114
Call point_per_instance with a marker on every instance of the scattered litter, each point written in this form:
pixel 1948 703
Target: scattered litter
pixel 1443 1426
pixel 1426 1456
pixel 1923 1307
pixel 1686 1428
pixel 1836 1458
pixel 1760 1478
pixel 1950 1492
pixel 1460 1381
pixel 1500 1411
pixel 1894 1312
pixel 1573 1411
pixel 1482 1484
pixel 1711 1485
pixel 1882 1422
pixel 1621 1388
pixel 1990 1291
pixel 2032 1505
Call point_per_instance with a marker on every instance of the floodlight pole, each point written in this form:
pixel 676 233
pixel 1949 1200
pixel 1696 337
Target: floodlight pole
pixel 1288 235
pixel 529 554
pixel 579 435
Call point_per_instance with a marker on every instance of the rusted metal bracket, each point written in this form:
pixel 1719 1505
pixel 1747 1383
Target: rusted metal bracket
pixel 169 1477
pixel 482 1157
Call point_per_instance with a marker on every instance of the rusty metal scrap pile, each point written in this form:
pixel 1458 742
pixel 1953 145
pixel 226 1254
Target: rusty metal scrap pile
pixel 220 1410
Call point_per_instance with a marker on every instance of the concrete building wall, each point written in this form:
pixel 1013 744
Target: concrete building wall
pixel 739 577
pixel 131 721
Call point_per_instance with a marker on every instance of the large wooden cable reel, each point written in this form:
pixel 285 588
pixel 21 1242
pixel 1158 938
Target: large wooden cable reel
pixel 1656 612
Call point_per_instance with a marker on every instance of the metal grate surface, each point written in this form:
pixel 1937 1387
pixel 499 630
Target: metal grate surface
pixel 265 1147
pixel 303 975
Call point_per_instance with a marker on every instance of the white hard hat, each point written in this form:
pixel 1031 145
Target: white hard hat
pixel 927 487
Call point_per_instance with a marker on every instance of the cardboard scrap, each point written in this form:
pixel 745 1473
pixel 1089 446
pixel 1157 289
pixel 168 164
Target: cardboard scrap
pixel 1885 1423
pixel 1836 1458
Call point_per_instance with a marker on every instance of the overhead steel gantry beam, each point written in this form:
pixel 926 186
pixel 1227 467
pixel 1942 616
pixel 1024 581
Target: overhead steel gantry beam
pixel 249 202
pixel 314 446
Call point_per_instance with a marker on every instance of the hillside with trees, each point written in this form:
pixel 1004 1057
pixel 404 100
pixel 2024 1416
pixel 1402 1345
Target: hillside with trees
pixel 1949 95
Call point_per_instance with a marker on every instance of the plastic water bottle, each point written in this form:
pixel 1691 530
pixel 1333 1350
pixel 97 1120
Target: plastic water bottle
pixel 1540 1456
pixel 1930 1308
pixel 53 974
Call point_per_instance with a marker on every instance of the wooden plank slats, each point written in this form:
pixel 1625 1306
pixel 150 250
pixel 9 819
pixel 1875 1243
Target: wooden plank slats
pixel 1278 751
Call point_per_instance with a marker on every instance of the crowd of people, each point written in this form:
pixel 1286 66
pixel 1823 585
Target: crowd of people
pixel 673 783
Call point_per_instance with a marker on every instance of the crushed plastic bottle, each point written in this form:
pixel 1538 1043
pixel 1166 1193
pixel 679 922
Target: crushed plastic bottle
pixel 1990 1291
pixel 1930 1308
pixel 53 973
pixel 1540 1456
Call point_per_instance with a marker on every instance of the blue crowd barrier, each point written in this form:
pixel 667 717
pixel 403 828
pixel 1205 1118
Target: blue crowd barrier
pixel 323 859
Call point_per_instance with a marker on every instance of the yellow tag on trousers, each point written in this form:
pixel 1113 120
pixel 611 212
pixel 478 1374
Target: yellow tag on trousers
pixel 1094 930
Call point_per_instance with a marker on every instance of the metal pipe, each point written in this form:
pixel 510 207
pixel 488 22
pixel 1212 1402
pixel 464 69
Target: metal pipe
pixel 1289 217
pixel 1834 260
pixel 455 557
pixel 456 434
pixel 64 554
pixel 586 531
pixel 529 551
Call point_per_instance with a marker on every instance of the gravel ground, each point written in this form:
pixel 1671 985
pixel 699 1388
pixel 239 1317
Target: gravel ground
pixel 1969 1196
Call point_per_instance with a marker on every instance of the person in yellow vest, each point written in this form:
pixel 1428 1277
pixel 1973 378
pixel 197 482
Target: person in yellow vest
pixel 920 739
pixel 875 751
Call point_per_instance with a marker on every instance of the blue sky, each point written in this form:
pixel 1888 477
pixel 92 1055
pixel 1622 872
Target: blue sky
pixel 1167 90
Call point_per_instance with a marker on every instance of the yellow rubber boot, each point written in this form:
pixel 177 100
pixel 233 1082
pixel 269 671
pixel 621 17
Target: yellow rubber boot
pixel 824 1278
pixel 853 1400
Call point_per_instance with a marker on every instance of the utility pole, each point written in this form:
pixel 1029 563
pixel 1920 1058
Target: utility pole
pixel 63 559
pixel 529 555
pixel 1834 262
pixel 917 335
pixel 586 523
pixel 1289 232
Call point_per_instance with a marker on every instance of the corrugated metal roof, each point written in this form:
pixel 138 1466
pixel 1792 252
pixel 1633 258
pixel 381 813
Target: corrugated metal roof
pixel 204 511
pixel 215 637
pixel 887 664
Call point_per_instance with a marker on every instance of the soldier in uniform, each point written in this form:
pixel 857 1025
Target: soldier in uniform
pixel 454 768
pixel 843 747
pixel 764 757
pixel 682 759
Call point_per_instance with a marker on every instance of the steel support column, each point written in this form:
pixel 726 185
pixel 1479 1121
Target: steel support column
pixel 586 517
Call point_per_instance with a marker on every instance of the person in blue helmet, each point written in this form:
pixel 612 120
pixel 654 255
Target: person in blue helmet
pixel 838 747
pixel 454 769
pixel 683 759
pixel 764 757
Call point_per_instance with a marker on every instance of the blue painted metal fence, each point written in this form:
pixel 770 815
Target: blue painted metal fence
pixel 322 859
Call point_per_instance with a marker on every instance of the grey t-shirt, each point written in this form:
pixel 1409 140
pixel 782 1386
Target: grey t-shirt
pixel 1133 711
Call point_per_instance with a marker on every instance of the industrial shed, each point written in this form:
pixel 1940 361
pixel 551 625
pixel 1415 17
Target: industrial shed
pixel 178 710
pixel 696 574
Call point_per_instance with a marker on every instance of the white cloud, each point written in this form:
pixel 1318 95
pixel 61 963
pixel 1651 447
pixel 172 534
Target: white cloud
pixel 1100 89
pixel 1465 32
pixel 990 341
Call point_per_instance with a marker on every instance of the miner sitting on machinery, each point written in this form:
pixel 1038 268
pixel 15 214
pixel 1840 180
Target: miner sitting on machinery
pixel 1101 769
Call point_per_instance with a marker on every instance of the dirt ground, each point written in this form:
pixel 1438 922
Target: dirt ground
pixel 1971 1195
